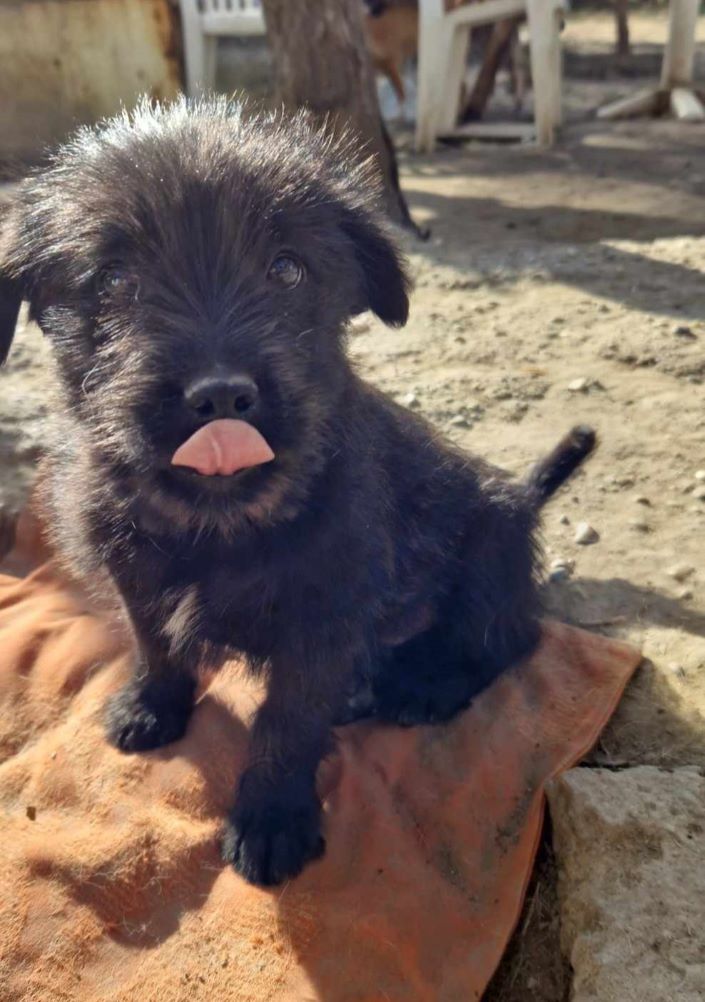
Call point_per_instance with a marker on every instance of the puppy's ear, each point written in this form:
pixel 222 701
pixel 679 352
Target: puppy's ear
pixel 10 301
pixel 11 293
pixel 385 283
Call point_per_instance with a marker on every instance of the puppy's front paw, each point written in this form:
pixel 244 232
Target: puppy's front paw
pixel 138 720
pixel 271 837
pixel 411 700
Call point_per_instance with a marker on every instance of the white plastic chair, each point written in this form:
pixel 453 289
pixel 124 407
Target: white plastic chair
pixel 443 44
pixel 202 23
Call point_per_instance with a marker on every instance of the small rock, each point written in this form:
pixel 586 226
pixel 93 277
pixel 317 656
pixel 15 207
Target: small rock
pixel 676 669
pixel 31 813
pixel 700 474
pixel 622 481
pixel 699 493
pixel 580 385
pixel 681 572
pixel 560 569
pixel 360 325
pixel 682 330
pixel 585 534
pixel 459 421
pixel 642 499
pixel 410 400
pixel 685 593
pixel 639 525
pixel 564 520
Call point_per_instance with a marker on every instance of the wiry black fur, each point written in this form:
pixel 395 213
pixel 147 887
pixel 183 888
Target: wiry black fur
pixel 369 561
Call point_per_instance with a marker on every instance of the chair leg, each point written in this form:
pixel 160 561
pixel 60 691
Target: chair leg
pixel 545 47
pixel 451 91
pixel 200 53
pixel 430 69
pixel 211 62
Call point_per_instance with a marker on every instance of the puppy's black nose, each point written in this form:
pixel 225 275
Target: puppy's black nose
pixel 222 396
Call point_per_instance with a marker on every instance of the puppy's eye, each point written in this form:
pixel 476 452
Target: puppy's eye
pixel 287 271
pixel 114 279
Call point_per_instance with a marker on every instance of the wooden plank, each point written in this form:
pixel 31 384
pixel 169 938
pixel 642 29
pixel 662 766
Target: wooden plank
pixel 508 132
pixel 686 106
pixel 224 23
pixel 644 102
pixel 486 12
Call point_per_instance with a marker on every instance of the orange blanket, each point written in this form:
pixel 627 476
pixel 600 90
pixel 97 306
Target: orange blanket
pixel 112 885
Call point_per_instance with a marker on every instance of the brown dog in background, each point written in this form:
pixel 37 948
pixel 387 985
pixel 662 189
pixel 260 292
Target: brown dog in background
pixel 392 35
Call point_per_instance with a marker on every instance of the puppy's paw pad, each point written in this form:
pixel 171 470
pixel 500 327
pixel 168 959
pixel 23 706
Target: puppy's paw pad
pixel 273 842
pixel 134 724
pixel 409 702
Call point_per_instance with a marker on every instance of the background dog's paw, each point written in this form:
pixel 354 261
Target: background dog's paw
pixel 134 722
pixel 272 840
pixel 408 701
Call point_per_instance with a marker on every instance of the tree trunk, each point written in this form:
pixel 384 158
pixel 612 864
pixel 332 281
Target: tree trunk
pixel 321 62
pixel 622 16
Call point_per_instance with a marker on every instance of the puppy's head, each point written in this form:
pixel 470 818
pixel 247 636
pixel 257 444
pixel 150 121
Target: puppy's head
pixel 189 264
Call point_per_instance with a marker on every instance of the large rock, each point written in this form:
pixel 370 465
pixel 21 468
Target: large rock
pixel 630 847
pixel 25 387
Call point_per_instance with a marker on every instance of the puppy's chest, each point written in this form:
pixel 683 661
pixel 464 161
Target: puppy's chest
pixel 255 604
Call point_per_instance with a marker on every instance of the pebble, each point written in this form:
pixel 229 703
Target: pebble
pixel 639 525
pixel 623 481
pixel 560 569
pixel 700 474
pixel 564 520
pixel 682 330
pixel 699 493
pixel 676 669
pixel 685 593
pixel 585 534
pixel 409 399
pixel 642 499
pixel 360 325
pixel 459 421
pixel 580 385
pixel 680 572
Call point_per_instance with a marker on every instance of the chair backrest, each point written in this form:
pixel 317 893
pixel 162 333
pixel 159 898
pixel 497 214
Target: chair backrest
pixel 231 17
pixel 251 7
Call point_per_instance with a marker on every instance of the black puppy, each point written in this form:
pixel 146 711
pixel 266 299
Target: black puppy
pixel 188 266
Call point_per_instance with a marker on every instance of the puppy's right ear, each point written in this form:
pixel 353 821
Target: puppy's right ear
pixel 11 291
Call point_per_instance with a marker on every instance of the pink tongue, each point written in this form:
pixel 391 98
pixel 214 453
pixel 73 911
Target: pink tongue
pixel 223 447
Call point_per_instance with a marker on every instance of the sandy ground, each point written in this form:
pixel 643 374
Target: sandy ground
pixel 557 288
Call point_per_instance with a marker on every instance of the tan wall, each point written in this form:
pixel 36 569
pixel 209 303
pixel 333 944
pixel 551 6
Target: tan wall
pixel 65 62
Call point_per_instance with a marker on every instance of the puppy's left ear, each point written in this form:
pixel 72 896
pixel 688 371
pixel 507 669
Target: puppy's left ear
pixel 11 294
pixel 385 283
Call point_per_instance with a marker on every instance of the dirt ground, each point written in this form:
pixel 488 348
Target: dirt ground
pixel 557 287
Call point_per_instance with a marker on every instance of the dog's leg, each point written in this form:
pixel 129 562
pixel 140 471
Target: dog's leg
pixel 154 707
pixel 275 825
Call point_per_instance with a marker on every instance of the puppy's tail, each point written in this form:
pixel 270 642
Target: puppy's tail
pixel 554 469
